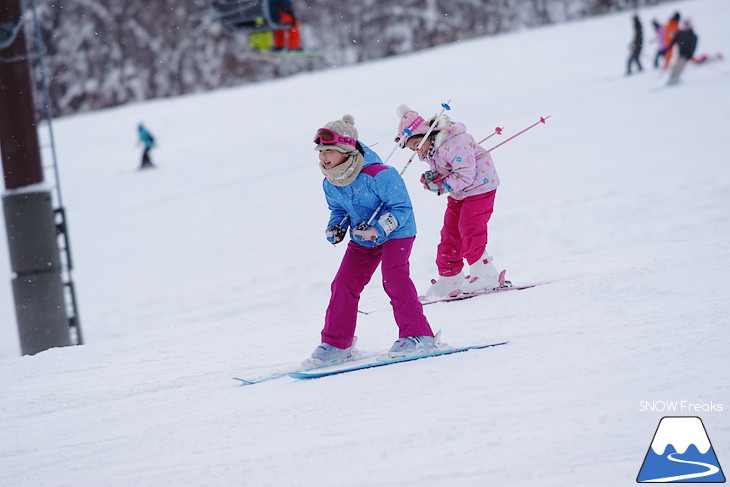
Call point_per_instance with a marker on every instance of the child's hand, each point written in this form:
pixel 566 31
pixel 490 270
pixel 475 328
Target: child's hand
pixel 433 181
pixel 335 234
pixel 367 233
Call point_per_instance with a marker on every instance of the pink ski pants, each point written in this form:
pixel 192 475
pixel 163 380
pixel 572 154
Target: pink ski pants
pixel 356 269
pixel 464 234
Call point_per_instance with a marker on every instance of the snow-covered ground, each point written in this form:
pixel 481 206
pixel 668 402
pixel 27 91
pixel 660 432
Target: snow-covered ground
pixel 215 265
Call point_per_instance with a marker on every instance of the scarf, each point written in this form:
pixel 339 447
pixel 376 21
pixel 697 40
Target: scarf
pixel 345 173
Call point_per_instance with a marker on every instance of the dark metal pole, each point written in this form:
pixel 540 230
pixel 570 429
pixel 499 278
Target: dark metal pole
pixel 18 134
pixel 29 215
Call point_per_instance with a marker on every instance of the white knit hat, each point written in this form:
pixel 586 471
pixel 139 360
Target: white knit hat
pixel 344 127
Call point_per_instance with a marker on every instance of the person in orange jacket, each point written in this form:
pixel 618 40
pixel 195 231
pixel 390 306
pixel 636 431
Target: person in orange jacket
pixel 670 29
pixel 282 11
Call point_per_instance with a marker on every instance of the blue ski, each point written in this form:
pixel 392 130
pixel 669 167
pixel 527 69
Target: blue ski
pixel 248 382
pixel 316 374
pixel 279 375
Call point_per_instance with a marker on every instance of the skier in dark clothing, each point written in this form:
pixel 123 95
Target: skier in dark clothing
pixel 687 41
pixel 635 46
pixel 146 138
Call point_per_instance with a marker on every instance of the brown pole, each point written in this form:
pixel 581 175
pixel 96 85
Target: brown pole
pixel 18 127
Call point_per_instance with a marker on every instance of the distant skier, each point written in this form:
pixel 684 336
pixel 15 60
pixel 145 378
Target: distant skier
pixel 148 141
pixel 465 170
pixel 661 42
pixel 635 46
pixel 671 28
pixel 687 41
pixel 356 183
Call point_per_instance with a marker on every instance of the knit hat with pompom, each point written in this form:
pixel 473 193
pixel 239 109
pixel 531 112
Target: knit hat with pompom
pixel 410 123
pixel 344 127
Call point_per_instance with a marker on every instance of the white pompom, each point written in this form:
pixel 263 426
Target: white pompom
pixel 402 110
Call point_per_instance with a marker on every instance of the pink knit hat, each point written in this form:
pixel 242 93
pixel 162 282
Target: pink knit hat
pixel 411 123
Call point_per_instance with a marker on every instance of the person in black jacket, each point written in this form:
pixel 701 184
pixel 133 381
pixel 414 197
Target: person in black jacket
pixel 635 46
pixel 687 41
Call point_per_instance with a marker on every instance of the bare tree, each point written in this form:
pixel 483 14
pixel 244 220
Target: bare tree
pixel 102 53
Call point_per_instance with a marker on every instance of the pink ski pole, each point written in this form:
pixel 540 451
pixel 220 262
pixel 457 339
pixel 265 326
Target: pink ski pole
pixel 497 131
pixel 542 120
pixel 445 106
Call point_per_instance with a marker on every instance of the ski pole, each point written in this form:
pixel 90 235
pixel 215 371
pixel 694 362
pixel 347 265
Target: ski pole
pixel 542 120
pixel 385 162
pixel 404 131
pixel 392 151
pixel 445 106
pixel 497 131
pixel 423 140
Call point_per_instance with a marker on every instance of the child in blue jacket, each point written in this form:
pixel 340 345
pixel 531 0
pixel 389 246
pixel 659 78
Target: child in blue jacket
pixel 356 183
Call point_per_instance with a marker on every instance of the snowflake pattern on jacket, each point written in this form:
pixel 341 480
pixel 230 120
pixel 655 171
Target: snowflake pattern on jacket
pixel 467 168
pixel 376 183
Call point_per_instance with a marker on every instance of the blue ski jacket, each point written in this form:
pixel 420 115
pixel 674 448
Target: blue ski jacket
pixel 145 137
pixel 376 183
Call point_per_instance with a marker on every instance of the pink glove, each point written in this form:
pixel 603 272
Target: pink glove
pixel 434 181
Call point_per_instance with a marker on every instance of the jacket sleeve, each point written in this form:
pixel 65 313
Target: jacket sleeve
pixel 397 208
pixel 460 155
pixel 337 211
pixel 672 42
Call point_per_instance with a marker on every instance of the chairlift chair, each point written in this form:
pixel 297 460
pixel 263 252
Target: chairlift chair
pixel 247 16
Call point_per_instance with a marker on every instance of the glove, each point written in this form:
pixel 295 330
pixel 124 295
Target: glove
pixel 433 181
pixel 335 234
pixel 365 233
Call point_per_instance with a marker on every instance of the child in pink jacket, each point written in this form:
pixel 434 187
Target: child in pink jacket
pixel 465 170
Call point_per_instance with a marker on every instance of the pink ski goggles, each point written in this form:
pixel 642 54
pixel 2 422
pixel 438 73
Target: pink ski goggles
pixel 329 137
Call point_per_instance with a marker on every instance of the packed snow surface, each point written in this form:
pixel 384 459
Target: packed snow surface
pixel 215 265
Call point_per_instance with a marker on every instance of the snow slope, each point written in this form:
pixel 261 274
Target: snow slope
pixel 215 265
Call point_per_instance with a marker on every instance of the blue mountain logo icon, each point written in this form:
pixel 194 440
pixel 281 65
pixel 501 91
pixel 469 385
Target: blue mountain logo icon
pixel 681 452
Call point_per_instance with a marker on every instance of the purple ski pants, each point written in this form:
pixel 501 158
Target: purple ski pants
pixel 464 234
pixel 356 269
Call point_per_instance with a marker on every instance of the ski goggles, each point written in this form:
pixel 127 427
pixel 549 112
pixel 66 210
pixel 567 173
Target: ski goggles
pixel 329 137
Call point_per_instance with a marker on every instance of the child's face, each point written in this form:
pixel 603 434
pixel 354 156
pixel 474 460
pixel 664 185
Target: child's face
pixel 331 158
pixel 413 142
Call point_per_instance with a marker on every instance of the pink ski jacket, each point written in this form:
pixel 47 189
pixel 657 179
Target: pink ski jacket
pixel 466 167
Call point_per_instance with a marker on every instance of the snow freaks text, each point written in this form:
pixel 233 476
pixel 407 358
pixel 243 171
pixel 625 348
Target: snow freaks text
pixel 680 407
